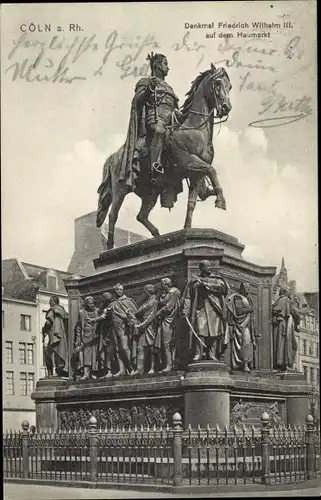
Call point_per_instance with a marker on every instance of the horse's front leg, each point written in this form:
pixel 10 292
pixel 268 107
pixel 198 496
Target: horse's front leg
pixel 192 197
pixel 220 201
pixel 196 163
pixel 148 203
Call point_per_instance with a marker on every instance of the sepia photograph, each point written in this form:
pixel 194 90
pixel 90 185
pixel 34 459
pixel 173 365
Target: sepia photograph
pixel 160 280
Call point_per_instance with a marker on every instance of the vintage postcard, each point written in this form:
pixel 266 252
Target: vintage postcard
pixel 159 243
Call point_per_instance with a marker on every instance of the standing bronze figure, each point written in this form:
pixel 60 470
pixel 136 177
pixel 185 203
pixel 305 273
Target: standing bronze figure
pixel 86 339
pixel 56 327
pixel 106 338
pixel 242 334
pixel 146 313
pixel 285 321
pixel 204 308
pixel 161 139
pixel 123 311
pixel 165 341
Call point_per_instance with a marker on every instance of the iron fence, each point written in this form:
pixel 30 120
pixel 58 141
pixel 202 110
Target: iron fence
pixel 166 455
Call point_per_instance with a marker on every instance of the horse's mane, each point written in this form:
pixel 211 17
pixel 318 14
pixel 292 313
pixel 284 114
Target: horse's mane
pixel 191 92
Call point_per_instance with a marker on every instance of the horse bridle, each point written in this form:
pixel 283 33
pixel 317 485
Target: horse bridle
pixel 207 116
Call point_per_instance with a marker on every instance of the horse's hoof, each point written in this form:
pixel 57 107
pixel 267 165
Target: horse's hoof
pixel 220 204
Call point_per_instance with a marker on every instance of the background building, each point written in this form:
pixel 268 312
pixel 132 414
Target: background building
pixel 26 289
pixel 90 241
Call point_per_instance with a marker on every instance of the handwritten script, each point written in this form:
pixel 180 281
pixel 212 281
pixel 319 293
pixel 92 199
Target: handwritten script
pixel 62 60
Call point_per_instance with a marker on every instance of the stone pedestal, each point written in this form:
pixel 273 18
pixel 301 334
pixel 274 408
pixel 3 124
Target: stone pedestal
pixel 207 404
pixel 46 405
pixel 204 392
pixel 177 255
pixel 203 396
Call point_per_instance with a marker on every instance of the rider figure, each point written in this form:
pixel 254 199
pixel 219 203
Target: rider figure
pixel 159 101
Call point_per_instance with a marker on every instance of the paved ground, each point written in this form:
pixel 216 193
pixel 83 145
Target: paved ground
pixel 37 492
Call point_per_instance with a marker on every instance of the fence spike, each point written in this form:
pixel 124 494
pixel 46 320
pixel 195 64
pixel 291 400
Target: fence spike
pixel 141 427
pixel 218 428
pixel 198 427
pixel 135 428
pixel 189 427
pixel 208 427
pixel 147 427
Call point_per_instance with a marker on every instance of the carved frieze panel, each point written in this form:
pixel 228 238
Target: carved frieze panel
pixel 120 415
pixel 247 411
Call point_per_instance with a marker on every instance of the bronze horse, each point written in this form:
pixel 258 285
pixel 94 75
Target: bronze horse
pixel 188 154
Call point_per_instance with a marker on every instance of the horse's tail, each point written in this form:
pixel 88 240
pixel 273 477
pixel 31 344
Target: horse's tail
pixel 105 190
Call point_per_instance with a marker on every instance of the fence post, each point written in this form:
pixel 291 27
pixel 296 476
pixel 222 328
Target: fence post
pixel 25 448
pixel 177 448
pixel 265 433
pixel 310 445
pixel 93 448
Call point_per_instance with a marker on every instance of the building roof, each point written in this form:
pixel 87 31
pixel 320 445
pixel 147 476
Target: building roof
pixel 312 300
pixel 309 301
pixel 90 241
pixel 21 280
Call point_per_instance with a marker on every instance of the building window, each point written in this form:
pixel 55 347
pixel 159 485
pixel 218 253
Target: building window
pixel 317 350
pixel 31 382
pixel 311 349
pixel 305 371
pixel 9 384
pixel 23 384
pixel 2 319
pixel 304 347
pixel 9 351
pixel 22 353
pixel 311 376
pixel 25 322
pixel 52 282
pixel 30 354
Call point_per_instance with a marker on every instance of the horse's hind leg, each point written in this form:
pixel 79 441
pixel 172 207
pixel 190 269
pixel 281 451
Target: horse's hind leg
pixel 148 203
pixel 113 215
pixel 192 197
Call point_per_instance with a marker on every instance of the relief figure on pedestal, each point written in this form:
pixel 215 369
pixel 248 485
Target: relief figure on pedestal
pixel 86 339
pixel 56 327
pixel 242 334
pixel 285 321
pixel 146 313
pixel 168 308
pixel 204 309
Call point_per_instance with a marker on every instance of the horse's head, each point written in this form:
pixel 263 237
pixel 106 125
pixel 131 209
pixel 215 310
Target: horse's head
pixel 219 91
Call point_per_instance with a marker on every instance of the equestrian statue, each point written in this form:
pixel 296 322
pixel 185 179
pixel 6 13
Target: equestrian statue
pixel 166 144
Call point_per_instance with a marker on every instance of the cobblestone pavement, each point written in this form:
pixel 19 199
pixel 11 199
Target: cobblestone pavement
pixel 38 492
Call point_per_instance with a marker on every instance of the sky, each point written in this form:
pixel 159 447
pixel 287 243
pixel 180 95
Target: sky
pixel 56 136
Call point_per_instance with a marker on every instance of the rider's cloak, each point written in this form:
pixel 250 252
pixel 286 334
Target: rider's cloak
pixel 129 168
